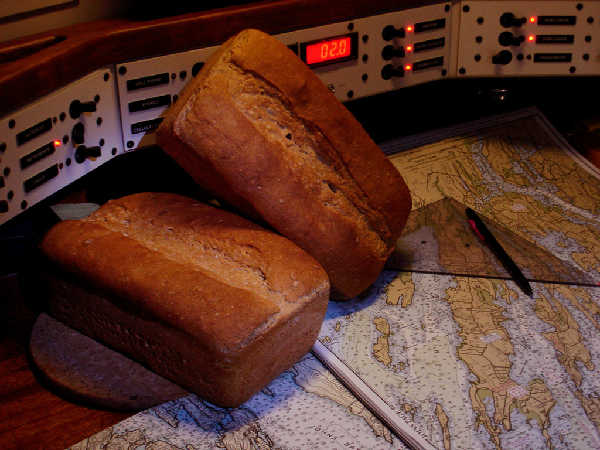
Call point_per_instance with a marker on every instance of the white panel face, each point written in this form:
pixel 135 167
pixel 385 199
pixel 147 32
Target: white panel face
pixel 542 44
pixel 345 78
pixel 353 79
pixel 37 168
pixel 145 84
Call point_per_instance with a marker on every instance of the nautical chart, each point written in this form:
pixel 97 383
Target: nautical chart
pixel 445 339
pixel 462 351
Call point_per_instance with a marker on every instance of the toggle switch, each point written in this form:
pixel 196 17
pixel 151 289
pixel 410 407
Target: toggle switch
pixel 83 152
pixel 77 107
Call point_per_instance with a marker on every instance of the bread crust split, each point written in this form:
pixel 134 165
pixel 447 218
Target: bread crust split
pixel 203 297
pixel 259 129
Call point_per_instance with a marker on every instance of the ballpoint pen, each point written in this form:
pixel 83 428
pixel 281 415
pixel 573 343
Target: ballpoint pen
pixel 485 235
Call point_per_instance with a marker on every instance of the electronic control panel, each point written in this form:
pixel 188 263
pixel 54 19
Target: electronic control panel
pixel 354 59
pixel 53 142
pixel 57 140
pixel 511 38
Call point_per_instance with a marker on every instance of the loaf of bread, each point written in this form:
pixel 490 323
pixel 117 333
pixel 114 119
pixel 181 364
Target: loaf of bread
pixel 204 298
pixel 259 129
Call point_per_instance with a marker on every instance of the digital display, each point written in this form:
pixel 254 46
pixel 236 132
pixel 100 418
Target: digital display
pixel 331 50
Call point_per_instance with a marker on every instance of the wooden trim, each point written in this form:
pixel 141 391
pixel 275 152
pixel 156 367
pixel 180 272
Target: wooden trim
pixel 89 46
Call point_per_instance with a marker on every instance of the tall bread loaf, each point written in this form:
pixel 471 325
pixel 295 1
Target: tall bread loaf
pixel 260 130
pixel 203 297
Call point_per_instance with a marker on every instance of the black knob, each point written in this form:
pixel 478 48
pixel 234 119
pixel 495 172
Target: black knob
pixel 83 152
pixel 390 71
pixel 507 39
pixel 389 52
pixel 508 20
pixel 504 57
pixel 77 107
pixel 390 32
pixel 77 133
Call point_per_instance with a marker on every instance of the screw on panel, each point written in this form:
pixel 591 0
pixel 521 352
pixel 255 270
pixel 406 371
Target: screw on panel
pixel 11 123
pixel 130 144
pixel 62 116
pixel 68 162
pixel 350 26
pixel 462 70
pixel 96 98
pixel 480 20
pixel 579 7
pixel 520 56
pixel 2 147
pixel 101 142
pixel 365 38
pixel 350 94
pixel 10 195
pixel 54 120
pixel 479 39
pixel 477 57
pixel 365 57
pixel 590 19
pixel 182 74
pixel 586 56
pixel 114 151
pixel 6 171
pixel 588 38
pixel 173 76
pixel 572 69
pixel 447 8
pixel 99 121
pixel 24 204
pixel 365 77
pixel 466 8
pixel 528 56
pixel 106 76
pixel 65 139
pixel 122 70
pixel 444 72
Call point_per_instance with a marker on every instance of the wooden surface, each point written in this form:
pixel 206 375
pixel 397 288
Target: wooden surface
pixel 32 417
pixel 61 56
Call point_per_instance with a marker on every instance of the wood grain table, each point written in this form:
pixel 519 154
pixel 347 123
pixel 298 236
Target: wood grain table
pixel 31 415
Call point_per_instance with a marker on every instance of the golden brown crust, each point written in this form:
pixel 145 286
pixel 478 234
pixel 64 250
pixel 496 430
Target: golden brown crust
pixel 211 274
pixel 285 149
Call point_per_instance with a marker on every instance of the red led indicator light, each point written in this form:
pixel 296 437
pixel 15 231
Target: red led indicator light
pixel 57 143
pixel 409 28
pixel 407 67
pixel 409 48
pixel 531 38
pixel 532 19
pixel 328 50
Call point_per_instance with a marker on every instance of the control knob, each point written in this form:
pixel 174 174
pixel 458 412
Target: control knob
pixel 390 71
pixel 390 32
pixel 389 52
pixel 507 39
pixel 509 20
pixel 77 133
pixel 503 58
pixel 83 152
pixel 77 107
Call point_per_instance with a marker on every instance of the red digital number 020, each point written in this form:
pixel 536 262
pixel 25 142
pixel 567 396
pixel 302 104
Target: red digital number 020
pixel 328 50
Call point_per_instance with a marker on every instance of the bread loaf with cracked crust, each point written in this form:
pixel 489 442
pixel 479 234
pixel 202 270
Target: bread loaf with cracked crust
pixel 205 298
pixel 261 131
